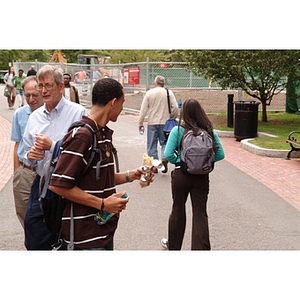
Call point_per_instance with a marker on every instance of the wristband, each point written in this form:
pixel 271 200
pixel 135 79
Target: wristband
pixel 127 176
pixel 102 205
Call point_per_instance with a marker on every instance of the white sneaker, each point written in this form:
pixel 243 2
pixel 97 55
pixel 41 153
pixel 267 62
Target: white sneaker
pixel 165 243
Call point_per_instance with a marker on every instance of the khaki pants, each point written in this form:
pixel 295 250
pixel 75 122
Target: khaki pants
pixel 22 182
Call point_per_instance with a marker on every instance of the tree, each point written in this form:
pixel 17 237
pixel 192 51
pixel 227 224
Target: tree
pixel 127 56
pixel 7 56
pixel 121 56
pixel 260 73
pixel 39 55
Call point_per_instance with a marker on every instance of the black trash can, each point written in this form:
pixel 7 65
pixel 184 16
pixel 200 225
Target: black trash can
pixel 245 120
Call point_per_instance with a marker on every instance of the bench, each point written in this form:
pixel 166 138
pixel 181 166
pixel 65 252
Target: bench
pixel 294 143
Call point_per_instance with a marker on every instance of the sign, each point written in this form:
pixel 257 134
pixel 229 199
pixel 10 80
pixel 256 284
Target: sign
pixel 131 75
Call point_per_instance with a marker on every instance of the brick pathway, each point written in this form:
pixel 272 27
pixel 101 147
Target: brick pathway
pixel 6 152
pixel 280 175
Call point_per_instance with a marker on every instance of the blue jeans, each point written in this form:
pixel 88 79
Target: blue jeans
pixel 20 92
pixel 155 133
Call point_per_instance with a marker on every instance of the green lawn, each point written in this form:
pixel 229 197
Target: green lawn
pixel 279 124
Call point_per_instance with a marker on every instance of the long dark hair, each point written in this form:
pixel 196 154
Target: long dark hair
pixel 193 117
pixel 9 71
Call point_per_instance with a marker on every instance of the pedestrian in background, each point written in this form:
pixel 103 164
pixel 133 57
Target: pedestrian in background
pixel 17 82
pixel 70 91
pixel 10 86
pixel 80 76
pixel 45 126
pixel 192 117
pixel 155 107
pixel 96 74
pixel 23 174
pixel 32 71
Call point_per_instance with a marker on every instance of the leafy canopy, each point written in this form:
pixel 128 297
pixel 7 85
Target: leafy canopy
pixel 260 73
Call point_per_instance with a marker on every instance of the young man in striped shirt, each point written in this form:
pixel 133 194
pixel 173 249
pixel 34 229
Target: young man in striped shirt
pixel 93 194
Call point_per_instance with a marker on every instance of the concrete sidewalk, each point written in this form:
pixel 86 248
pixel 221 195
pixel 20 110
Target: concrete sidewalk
pixel 238 201
pixel 278 174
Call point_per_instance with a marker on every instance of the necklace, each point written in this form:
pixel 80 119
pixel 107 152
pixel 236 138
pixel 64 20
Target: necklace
pixel 98 130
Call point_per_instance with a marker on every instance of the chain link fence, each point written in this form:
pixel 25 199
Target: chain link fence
pixel 137 78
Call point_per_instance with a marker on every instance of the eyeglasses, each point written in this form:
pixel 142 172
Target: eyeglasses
pixel 27 96
pixel 47 86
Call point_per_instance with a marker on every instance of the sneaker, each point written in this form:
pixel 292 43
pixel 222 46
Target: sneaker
pixel 165 163
pixel 165 243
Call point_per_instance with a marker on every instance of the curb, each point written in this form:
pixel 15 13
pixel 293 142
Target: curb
pixel 132 111
pixel 244 144
pixel 262 151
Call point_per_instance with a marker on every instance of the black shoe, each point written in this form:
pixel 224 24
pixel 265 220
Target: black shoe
pixel 165 163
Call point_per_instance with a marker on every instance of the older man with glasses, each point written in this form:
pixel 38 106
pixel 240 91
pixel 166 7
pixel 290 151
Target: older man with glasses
pixel 45 126
pixel 23 174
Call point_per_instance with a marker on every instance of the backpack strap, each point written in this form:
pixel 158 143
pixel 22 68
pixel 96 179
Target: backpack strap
pixel 70 246
pixel 46 179
pixel 169 104
pixel 115 153
pixel 94 150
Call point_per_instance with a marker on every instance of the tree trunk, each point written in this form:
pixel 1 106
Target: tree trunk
pixel 264 117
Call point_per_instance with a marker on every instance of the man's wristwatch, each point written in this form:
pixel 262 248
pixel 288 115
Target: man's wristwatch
pixel 127 176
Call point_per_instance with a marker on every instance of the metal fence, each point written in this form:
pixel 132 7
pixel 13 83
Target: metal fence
pixel 176 73
pixel 182 81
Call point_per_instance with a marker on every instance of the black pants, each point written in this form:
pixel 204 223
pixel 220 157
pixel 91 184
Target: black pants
pixel 37 235
pixel 198 187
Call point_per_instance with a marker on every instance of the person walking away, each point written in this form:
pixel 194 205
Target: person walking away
pixel 23 174
pixel 70 91
pixel 80 76
pixel 155 106
pixel 10 86
pixel 45 126
pixel 96 74
pixel 192 117
pixel 93 194
pixel 17 82
pixel 32 71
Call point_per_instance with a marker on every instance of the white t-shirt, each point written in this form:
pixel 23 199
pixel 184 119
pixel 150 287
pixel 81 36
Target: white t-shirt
pixel 67 93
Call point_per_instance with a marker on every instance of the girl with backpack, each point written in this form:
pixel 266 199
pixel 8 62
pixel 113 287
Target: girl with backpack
pixel 192 118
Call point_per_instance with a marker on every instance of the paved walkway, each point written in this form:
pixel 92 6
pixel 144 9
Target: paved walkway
pixel 280 175
pixel 6 152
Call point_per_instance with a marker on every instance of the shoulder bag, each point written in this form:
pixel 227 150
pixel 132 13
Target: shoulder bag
pixel 171 122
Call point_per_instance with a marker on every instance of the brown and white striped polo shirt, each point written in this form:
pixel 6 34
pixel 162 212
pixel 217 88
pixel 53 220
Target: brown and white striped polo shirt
pixel 75 152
